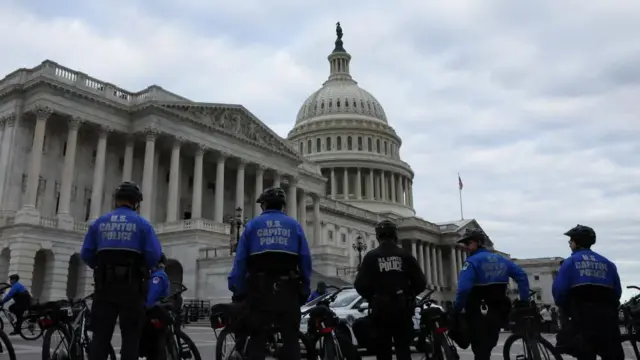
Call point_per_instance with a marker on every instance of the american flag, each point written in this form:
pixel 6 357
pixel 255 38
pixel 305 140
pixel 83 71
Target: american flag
pixel 460 185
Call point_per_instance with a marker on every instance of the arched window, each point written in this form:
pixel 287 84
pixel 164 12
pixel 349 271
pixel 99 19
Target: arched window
pixel 349 143
pixel 301 147
pixel 360 143
pixel 339 145
pixel 377 145
pixel 386 148
pixel 329 144
pixel 369 145
pixel 309 146
pixel 318 145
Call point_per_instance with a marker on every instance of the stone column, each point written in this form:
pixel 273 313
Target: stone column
pixel 147 172
pixel 419 255
pixel 57 289
pixel 358 184
pixel 334 191
pixel 443 281
pixel 345 184
pixel 302 209
pixel 240 184
pixel 127 167
pixel 454 267
pixel 371 192
pixel 219 194
pixel 22 260
pixel 2 121
pixel 196 200
pixel 174 177
pixel 6 146
pixel 257 210
pixel 410 192
pixel 399 198
pixel 392 180
pixel 459 261
pixel 64 218
pixel 434 266
pixel 98 174
pixel 405 193
pixel 383 186
pixel 292 201
pixel 427 264
pixel 276 179
pixel 414 252
pixel 317 226
pixel 35 161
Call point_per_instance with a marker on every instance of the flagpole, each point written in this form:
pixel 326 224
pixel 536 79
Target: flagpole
pixel 460 196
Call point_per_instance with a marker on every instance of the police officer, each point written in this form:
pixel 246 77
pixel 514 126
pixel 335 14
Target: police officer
pixel 482 292
pixel 390 279
pixel 21 301
pixel 587 289
pixel 272 267
pixel 121 247
pixel 152 339
pixel 320 290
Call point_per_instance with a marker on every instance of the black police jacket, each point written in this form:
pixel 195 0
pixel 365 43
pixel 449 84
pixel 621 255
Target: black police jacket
pixel 388 269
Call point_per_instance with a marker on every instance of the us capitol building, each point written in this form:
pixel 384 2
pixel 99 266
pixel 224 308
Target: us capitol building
pixel 68 139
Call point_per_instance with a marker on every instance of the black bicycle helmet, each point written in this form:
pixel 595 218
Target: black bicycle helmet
pixel 584 236
pixel 473 235
pixel 14 277
pixel 128 191
pixel 273 197
pixel 386 229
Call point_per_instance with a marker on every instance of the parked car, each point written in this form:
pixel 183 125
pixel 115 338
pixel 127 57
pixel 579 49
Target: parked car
pixel 350 306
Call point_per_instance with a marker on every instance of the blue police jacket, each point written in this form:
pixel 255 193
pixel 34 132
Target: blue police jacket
pixel 271 231
pixel 121 229
pixel 584 267
pixel 158 287
pixel 15 289
pixel 486 268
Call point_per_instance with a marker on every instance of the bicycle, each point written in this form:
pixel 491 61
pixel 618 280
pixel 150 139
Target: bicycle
pixel 168 317
pixel 6 347
pixel 29 328
pixel 434 327
pixel 527 328
pixel 325 328
pixel 72 320
pixel 630 313
pixel 225 324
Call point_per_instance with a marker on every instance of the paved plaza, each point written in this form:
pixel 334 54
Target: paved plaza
pixel 203 337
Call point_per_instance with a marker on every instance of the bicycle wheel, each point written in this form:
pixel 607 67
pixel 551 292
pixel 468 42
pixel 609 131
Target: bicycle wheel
pixel 61 350
pixel 226 344
pixel 443 349
pixel 543 345
pixel 186 346
pixel 633 340
pixel 1 324
pixel 6 348
pixel 30 328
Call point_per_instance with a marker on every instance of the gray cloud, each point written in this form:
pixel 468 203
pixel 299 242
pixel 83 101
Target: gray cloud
pixel 535 104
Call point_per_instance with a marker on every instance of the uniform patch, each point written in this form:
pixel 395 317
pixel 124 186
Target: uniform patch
pixel 156 280
pixel 465 265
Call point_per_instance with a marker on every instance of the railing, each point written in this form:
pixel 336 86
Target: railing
pixel 85 82
pixel 346 271
pixel 193 224
pixel 349 209
pixel 418 222
pixel 214 252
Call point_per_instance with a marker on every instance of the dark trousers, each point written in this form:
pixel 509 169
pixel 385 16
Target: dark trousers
pixel 392 331
pixel 104 314
pixel 17 310
pixel 153 342
pixel 484 333
pixel 600 333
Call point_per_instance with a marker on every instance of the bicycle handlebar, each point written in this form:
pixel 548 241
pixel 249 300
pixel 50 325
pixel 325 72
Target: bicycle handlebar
pixel 633 287
pixel 176 293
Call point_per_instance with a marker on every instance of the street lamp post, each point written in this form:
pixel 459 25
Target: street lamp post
pixel 360 247
pixel 236 223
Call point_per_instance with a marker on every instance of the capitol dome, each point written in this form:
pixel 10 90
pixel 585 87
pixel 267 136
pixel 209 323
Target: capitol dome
pixel 344 129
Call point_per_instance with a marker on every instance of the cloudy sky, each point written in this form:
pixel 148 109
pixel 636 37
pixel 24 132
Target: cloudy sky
pixel 535 103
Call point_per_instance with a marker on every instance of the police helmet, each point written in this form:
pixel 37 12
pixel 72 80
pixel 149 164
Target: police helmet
pixel 273 198
pixel 14 277
pixel 386 229
pixel 128 191
pixel 583 236
pixel 473 235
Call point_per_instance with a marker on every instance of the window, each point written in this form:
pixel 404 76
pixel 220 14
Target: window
pixel 349 143
pixel 359 143
pixel 386 149
pixel 93 157
pixel 339 140
pixel 378 145
pixel 343 237
pixel 168 176
pixel 301 147
pixel 309 146
pixel 328 144
pixel 369 145
pixel 57 202
pixel 87 210
pixel 64 149
pixel 121 163
pixel 536 277
pixel 330 234
pixel 44 144
pixel 190 183
pixel 344 299
pixel 318 145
